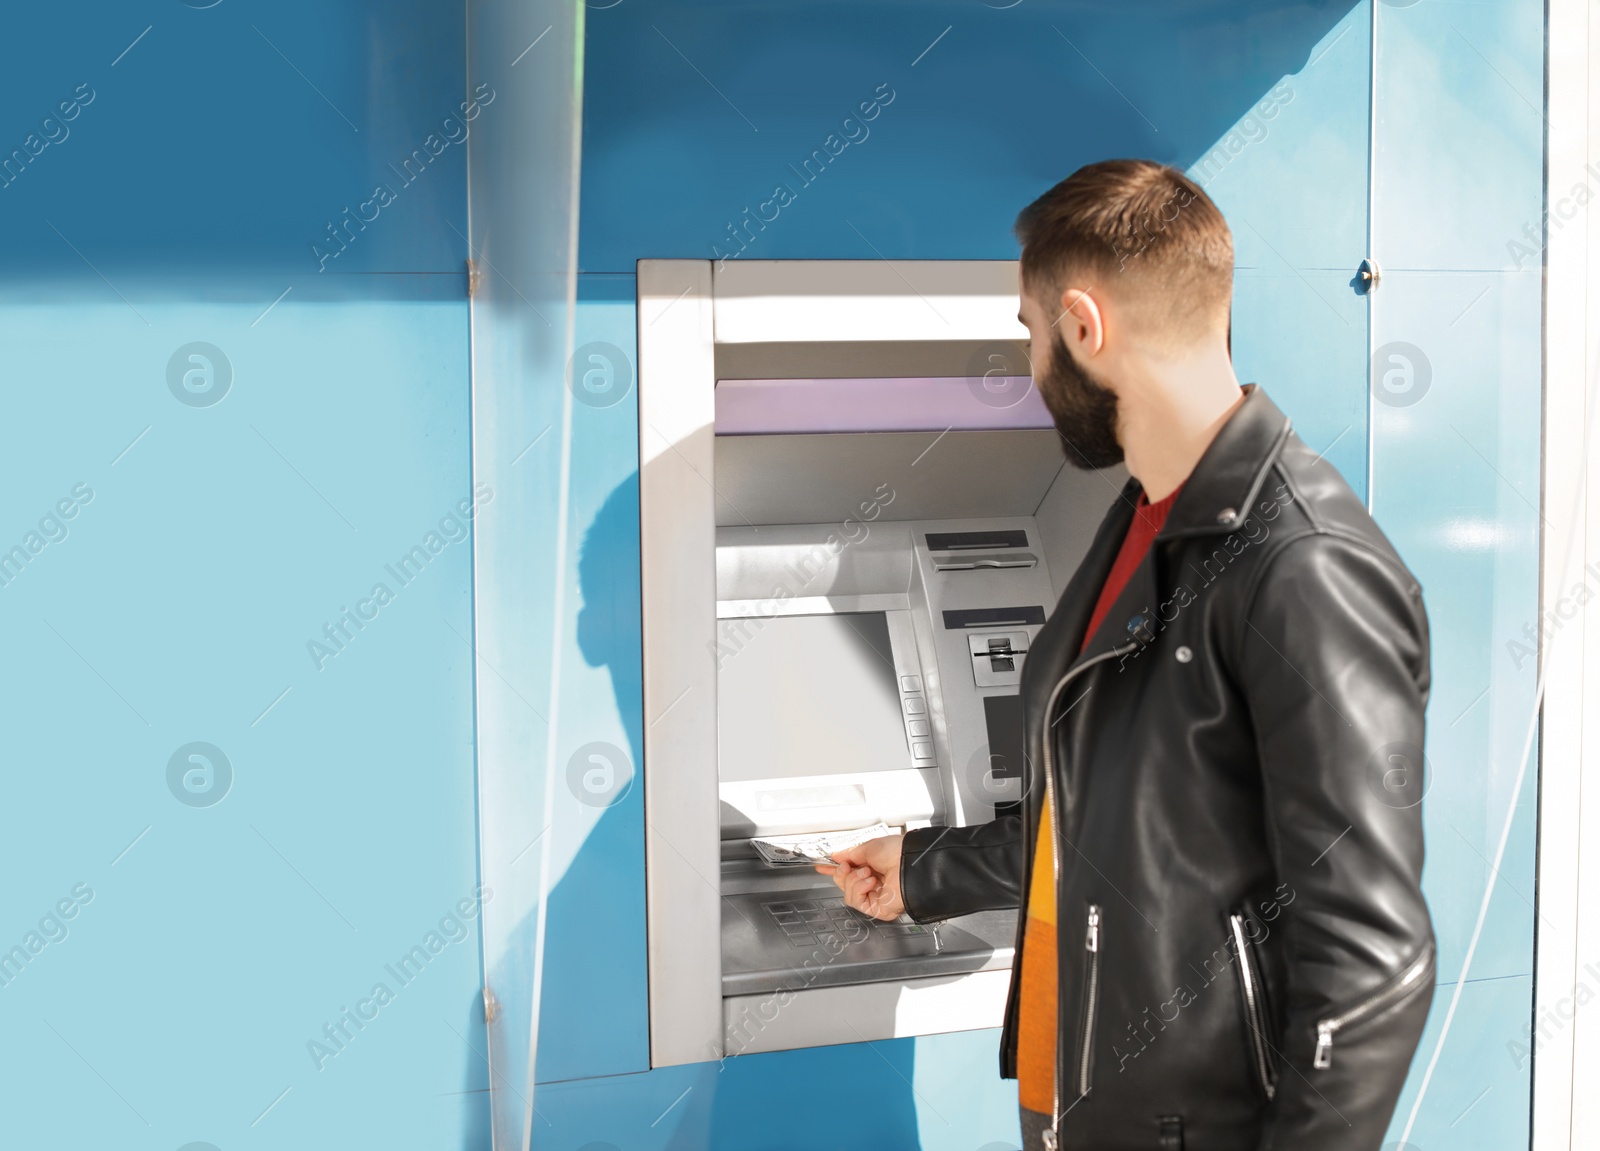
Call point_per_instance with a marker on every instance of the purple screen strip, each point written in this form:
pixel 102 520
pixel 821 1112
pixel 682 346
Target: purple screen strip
pixel 910 404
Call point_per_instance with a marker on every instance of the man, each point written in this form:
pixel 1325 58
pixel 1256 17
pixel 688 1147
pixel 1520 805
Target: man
pixel 1224 943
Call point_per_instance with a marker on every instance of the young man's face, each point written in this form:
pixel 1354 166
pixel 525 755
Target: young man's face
pixel 1083 407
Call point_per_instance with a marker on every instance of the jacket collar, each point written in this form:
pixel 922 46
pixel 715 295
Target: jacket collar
pixel 1215 499
pixel 1217 496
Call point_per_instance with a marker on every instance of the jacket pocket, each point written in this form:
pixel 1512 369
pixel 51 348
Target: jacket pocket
pixel 1253 997
pixel 1091 1001
pixel 1417 975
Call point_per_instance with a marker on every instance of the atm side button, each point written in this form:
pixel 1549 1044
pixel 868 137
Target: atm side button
pixel 918 727
pixel 914 705
pixel 911 683
pixel 922 751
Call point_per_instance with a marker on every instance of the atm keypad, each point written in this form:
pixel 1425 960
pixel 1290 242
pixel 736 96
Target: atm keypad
pixel 813 922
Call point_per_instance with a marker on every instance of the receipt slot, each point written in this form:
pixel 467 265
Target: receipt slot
pixel 852 530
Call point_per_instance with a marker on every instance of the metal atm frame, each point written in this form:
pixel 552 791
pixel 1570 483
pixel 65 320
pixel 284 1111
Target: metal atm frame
pixel 759 319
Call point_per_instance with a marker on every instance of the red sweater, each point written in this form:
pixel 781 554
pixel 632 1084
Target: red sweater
pixel 1036 1035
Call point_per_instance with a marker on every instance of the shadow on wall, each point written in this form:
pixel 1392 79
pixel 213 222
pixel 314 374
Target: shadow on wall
pixel 741 1101
pixel 592 946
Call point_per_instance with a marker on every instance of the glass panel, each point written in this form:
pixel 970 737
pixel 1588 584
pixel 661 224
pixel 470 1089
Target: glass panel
pixel 1456 410
pixel 522 193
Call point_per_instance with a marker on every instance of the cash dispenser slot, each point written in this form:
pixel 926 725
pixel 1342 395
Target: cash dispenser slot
pixel 971 561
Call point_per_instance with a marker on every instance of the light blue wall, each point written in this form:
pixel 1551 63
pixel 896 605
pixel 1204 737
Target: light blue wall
pixel 186 200
pixel 1456 484
pixel 220 940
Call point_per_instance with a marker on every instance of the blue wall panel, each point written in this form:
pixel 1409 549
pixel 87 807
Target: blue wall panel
pixel 234 921
pixel 694 112
pixel 223 136
pixel 1457 389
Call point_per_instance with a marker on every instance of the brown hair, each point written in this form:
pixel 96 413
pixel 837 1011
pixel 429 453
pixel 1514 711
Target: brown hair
pixel 1143 232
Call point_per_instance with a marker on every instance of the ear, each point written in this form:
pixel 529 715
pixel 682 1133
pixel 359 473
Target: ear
pixel 1081 322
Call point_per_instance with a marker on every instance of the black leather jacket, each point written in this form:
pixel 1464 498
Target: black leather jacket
pixel 1246 959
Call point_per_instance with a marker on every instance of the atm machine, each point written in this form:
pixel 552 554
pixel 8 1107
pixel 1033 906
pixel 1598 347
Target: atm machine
pixel 855 516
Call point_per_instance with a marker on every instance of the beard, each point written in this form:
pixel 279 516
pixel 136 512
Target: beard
pixel 1084 410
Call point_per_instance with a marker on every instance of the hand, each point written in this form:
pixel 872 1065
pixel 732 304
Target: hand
pixel 869 876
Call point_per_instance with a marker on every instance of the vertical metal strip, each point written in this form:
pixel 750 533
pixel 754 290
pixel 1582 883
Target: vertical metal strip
pixel 1371 252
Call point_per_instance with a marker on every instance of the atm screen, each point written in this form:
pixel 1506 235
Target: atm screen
pixel 810 695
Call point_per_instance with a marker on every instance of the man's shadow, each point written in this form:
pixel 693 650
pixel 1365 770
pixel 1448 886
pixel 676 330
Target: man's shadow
pixel 593 1017
pixel 593 1013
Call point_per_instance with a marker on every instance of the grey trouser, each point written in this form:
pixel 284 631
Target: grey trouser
pixel 1034 1125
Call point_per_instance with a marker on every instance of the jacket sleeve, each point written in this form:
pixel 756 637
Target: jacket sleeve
pixel 948 871
pixel 1334 659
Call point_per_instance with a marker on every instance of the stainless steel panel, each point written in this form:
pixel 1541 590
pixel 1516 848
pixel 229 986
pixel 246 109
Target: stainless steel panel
pixel 826 478
pixel 801 937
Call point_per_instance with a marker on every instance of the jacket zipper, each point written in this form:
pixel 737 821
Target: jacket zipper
pixel 1387 996
pixel 1091 997
pixel 1054 813
pixel 1255 1014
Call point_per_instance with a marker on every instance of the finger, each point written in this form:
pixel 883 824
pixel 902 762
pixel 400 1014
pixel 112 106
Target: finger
pixel 846 881
pixel 865 886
